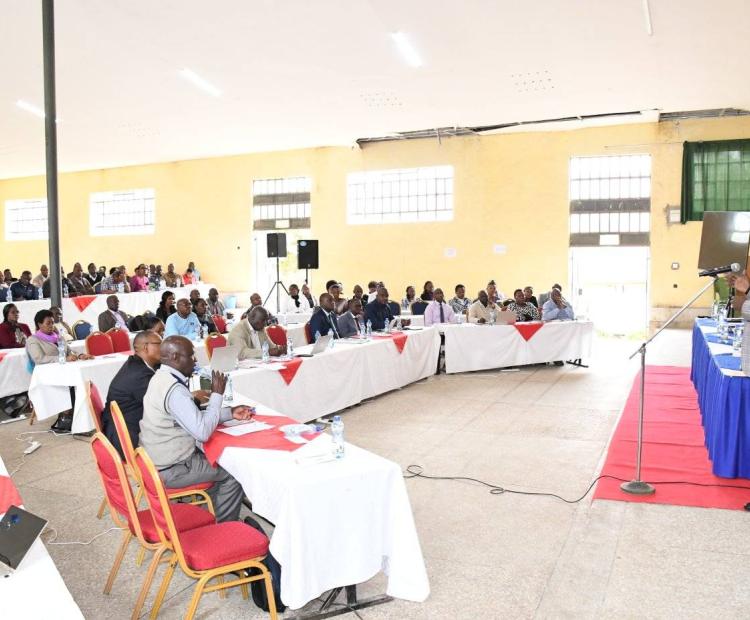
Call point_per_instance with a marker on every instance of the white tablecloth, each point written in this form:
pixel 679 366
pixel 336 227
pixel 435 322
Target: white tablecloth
pixel 471 347
pixel 36 591
pixel 337 523
pixel 130 303
pixel 342 376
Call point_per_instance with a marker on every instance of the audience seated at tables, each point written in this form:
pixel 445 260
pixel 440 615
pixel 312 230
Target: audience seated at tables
pixel 438 310
pixel 372 291
pixel 556 308
pixel 357 292
pixel 8 276
pixel 351 323
pixel 41 348
pixel 339 302
pixel 41 277
pixel 479 311
pixel 13 334
pixel 166 306
pixel 308 295
pixel 216 306
pixel 204 318
pixel 114 282
pixel 324 319
pixel 92 275
pixel 189 278
pixel 493 294
pixel 524 310
pixel 250 334
pixel 171 278
pixel 378 311
pixel 77 284
pixel 173 427
pixel 129 386
pixel 64 285
pixel 23 289
pixel 409 298
pixel 528 295
pixel 196 273
pixel 183 322
pixel 5 294
pixel 194 296
pixel 154 324
pixel 427 291
pixel 544 297
pixel 62 328
pixel 295 303
pixel 139 281
pixel 460 303
pixel 113 316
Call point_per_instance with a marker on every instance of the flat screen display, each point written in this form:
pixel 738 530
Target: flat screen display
pixel 725 239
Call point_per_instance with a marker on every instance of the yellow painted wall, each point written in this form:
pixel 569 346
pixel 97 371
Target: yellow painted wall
pixel 510 189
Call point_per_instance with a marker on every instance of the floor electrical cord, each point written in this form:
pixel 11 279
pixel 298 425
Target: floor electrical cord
pixel 417 471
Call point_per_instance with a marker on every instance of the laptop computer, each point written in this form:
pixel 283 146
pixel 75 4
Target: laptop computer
pixel 18 532
pixel 505 318
pixel 224 359
pixel 320 346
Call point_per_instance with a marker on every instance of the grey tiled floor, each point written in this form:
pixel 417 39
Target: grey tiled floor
pixel 489 556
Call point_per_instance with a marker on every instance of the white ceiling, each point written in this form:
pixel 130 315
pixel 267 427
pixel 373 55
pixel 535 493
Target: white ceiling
pixel 301 73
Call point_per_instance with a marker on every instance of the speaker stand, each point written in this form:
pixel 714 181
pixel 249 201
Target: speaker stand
pixel 277 286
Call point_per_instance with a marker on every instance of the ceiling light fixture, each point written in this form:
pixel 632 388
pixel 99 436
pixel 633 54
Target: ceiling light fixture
pixel 647 15
pixel 30 108
pixel 406 49
pixel 199 82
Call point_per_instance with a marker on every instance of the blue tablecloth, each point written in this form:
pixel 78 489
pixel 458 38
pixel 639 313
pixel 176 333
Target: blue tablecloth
pixel 725 406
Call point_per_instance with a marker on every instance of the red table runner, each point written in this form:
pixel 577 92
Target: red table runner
pixel 2 355
pixel 291 368
pixel 82 302
pixel 8 494
pixel 269 439
pixel 399 339
pixel 527 330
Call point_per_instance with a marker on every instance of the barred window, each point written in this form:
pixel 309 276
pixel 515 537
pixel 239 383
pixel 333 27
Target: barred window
pixel 126 212
pixel 26 219
pixel 400 195
pixel 281 203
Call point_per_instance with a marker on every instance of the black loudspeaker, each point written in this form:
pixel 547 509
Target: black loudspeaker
pixel 307 254
pixel 276 245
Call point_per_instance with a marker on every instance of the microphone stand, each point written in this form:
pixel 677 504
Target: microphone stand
pixel 637 486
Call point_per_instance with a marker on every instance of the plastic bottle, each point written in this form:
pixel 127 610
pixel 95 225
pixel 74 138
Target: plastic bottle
pixel 198 332
pixel 121 287
pixel 289 347
pixel 228 392
pixel 39 294
pixel 317 336
pixel 368 328
pixel 265 355
pixel 65 291
pixel 337 430
pixel 387 325
pixel 61 358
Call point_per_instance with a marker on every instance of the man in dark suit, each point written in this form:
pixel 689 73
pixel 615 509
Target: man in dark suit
pixel 130 385
pixel 324 319
pixel 112 316
pixel 378 311
pixel 350 323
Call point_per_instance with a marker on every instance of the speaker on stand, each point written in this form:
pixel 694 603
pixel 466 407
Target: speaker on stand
pixel 276 248
pixel 307 256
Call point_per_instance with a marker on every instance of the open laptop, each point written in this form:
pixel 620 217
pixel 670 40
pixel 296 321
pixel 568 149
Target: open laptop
pixel 320 346
pixel 18 531
pixel 505 318
pixel 224 359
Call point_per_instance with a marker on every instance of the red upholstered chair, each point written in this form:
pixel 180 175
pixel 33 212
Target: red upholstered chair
pixel 94 400
pixel 220 322
pixel 134 523
pixel 99 343
pixel 120 340
pixel 308 333
pixel 276 334
pixel 205 553
pixel 214 341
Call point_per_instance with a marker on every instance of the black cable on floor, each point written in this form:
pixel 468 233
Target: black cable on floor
pixel 417 471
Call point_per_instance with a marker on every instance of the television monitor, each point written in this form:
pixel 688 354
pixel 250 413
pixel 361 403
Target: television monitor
pixel 725 239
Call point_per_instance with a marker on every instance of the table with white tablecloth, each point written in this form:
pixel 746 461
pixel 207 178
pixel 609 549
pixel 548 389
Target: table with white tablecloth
pixel 343 376
pixel 35 591
pixel 89 307
pixel 337 523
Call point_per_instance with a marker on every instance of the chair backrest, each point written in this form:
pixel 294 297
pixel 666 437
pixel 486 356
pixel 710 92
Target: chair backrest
pixel 395 308
pixel 214 341
pixel 99 343
pixel 157 500
pixel 276 334
pixel 95 405
pixel 124 436
pixel 81 329
pixel 418 307
pixel 117 488
pixel 220 322
pixel 120 339
pixel 308 333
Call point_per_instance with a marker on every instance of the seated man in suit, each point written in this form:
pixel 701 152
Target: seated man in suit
pixel 129 387
pixel 22 289
pixel 378 311
pixel 351 322
pixel 479 311
pixel 112 316
pixel 439 311
pixel 324 319
pixel 250 334
pixel 78 284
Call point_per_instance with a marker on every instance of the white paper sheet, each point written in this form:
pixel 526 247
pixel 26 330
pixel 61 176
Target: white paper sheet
pixel 245 429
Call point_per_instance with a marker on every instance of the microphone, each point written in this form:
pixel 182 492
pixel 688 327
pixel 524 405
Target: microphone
pixel 733 268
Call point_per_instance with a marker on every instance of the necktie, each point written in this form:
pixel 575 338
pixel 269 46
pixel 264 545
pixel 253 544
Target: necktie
pixel 333 326
pixel 356 322
pixel 442 315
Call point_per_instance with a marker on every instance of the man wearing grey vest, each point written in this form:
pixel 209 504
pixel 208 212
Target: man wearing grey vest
pixel 173 427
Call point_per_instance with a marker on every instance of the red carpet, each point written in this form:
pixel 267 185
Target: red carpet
pixel 673 447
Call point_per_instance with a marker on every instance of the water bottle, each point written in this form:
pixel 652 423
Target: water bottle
pixel 368 328
pixel 61 350
pixel 265 355
pixel 198 332
pixel 387 325
pixel 121 287
pixel 289 347
pixel 398 322
pixel 65 291
pixel 337 430
pixel 722 329
pixel 493 316
pixel 737 342
pixel 203 331
pixel 228 392
pixel 39 294
pixel 317 336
